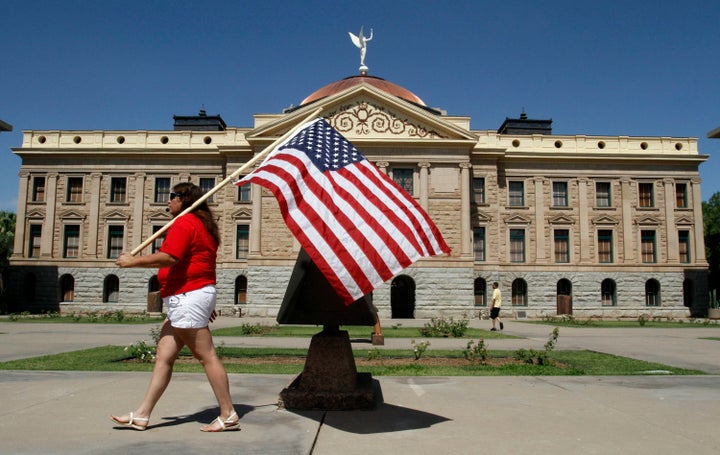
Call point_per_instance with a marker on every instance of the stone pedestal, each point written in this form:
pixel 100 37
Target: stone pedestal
pixel 330 380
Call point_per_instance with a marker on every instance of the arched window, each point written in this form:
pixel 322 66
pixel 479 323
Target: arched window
pixel 519 292
pixel 241 289
pixel 67 288
pixel 111 289
pixel 652 292
pixel 480 292
pixel 564 287
pixel 402 297
pixel 688 292
pixel 608 293
pixel 153 284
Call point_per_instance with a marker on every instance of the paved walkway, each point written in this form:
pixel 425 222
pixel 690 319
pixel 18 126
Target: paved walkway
pixel 66 412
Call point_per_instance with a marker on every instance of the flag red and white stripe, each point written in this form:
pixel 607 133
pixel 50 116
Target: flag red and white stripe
pixel 357 225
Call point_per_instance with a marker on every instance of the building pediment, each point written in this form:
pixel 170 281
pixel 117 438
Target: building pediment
pixel 604 219
pixel 35 214
pixel 517 219
pixel 71 215
pixel 159 216
pixel 242 214
pixel 483 217
pixel 363 113
pixel 684 221
pixel 561 219
pixel 647 221
pixel 116 215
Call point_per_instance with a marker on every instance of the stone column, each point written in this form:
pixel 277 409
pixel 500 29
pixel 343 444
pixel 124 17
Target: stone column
pixel 424 189
pixel 48 228
pixel 698 238
pixel 539 220
pixel 465 224
pixel 583 221
pixel 672 254
pixel 256 220
pixel 139 210
pixel 629 242
pixel 382 166
pixel 18 247
pixel 94 222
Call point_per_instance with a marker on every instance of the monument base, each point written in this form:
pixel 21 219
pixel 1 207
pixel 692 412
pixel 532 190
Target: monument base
pixel 362 397
pixel 329 380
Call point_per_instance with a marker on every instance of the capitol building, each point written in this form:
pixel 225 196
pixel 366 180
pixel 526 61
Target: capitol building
pixel 606 226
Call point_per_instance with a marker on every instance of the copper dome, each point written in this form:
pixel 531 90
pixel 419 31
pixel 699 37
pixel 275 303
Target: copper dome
pixel 377 82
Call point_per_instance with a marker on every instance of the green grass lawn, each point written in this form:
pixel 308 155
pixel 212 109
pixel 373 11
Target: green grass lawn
pixel 648 324
pixel 291 361
pixel 353 331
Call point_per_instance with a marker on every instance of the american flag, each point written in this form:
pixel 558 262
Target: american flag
pixel 358 226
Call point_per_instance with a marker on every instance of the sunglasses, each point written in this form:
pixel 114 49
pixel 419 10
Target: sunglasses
pixel 174 195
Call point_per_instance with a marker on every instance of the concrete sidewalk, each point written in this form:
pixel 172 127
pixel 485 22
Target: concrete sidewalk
pixel 67 412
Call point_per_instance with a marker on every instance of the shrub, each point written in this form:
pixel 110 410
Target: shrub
pixel 475 353
pixel 141 351
pixel 534 357
pixel 441 327
pixel 419 348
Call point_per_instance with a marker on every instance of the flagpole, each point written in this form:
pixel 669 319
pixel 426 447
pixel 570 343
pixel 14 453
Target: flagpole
pixel 227 180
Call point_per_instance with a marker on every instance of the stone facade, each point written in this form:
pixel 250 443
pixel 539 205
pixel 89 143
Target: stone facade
pixel 531 211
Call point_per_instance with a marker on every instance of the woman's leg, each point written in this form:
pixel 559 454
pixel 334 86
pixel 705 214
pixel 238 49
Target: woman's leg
pixel 201 344
pixel 168 348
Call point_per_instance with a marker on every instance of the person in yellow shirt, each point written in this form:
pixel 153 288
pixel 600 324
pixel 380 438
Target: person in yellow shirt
pixel 495 307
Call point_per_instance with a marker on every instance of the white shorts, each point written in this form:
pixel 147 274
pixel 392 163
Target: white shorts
pixel 191 310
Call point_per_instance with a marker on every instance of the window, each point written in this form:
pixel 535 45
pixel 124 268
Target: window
pixel 602 194
pixel 560 194
pixel 115 241
pixel 479 243
pixel 162 189
pixel 608 295
pixel 652 293
pixel 34 240
pixel 684 246
pixel 158 241
pixel 645 195
pixel 67 288
pixel 516 194
pixel 240 290
pixel 562 245
pixel 118 189
pixel 480 291
pixel 681 195
pixel 111 289
pixel 605 246
pixel 74 189
pixel 478 188
pixel 206 184
pixel 517 245
pixel 647 246
pixel 244 191
pixel 71 241
pixel 519 292
pixel 404 178
pixel 243 241
pixel 38 189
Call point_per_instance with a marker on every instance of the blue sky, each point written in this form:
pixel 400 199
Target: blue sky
pixel 630 68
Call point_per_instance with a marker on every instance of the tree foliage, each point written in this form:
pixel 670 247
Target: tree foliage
pixel 711 223
pixel 7 236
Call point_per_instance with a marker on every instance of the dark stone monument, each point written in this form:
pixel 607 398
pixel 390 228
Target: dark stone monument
pixel 329 380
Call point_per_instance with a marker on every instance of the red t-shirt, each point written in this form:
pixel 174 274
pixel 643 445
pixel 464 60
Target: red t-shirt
pixel 191 244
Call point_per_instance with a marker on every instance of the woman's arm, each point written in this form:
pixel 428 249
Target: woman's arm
pixel 155 260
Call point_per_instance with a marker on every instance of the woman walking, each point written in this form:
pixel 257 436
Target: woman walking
pixel 187 261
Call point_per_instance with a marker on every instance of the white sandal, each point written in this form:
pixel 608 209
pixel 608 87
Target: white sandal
pixel 131 423
pixel 225 425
